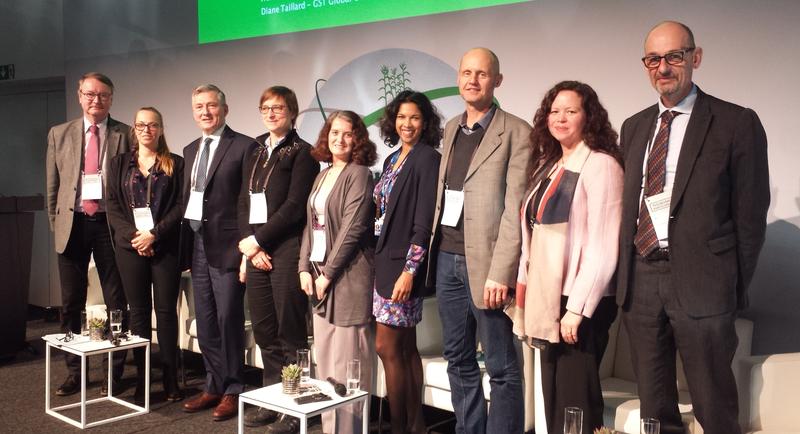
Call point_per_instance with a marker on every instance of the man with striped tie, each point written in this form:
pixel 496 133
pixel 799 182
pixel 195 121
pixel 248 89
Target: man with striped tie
pixel 695 200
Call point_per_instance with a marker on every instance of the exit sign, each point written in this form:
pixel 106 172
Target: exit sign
pixel 7 72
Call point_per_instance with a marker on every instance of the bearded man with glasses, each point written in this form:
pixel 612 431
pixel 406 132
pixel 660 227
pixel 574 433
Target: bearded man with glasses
pixel 695 199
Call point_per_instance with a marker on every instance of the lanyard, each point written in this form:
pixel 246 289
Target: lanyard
pixel 266 163
pixel 388 182
pixel 450 158
pixel 149 186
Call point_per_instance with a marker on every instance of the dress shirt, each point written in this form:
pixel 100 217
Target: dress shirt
pixel 102 129
pixel 676 133
pixel 212 148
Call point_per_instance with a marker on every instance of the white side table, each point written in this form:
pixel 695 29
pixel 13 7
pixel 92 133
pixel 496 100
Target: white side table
pixel 273 398
pixel 83 347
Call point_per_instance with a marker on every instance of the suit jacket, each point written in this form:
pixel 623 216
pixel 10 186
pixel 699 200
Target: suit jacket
pixel 64 165
pixel 221 229
pixel 120 215
pixel 293 172
pixel 718 208
pixel 408 219
pixel 493 190
pixel 349 246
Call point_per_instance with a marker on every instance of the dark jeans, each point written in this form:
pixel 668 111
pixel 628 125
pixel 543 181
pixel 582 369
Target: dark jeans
pixel 570 373
pixel 460 322
pixel 658 326
pixel 219 311
pixel 89 236
pixel 147 281
pixel 278 311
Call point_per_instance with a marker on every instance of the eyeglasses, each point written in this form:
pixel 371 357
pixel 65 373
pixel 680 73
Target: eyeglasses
pixel 278 109
pixel 91 96
pixel 672 58
pixel 141 126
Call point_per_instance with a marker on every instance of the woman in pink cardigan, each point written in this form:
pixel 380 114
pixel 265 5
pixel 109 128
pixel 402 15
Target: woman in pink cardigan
pixel 570 221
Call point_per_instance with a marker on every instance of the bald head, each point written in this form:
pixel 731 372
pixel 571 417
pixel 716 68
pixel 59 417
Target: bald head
pixel 673 28
pixel 484 53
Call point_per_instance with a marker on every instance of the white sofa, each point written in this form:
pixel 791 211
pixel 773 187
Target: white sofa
pixel 773 388
pixel 619 383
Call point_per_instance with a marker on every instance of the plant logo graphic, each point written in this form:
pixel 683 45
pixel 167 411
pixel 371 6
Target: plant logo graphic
pixel 368 83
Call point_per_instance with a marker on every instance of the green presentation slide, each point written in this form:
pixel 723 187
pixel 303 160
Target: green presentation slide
pixel 223 20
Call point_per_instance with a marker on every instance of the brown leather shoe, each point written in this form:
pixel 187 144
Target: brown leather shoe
pixel 202 402
pixel 227 408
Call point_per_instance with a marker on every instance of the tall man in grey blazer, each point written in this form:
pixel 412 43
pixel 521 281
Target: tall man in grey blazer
pixel 215 162
pixel 685 264
pixel 77 153
pixel 482 178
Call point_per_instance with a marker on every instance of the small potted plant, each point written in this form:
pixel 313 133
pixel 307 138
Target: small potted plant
pixel 96 328
pixel 604 430
pixel 290 377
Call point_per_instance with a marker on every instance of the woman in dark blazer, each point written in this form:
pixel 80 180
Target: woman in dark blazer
pixel 405 197
pixel 277 179
pixel 336 258
pixel 144 210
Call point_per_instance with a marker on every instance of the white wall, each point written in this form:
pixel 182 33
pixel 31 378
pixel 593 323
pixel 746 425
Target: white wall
pixel 148 49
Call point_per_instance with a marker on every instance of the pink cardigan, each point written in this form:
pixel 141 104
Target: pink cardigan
pixel 590 254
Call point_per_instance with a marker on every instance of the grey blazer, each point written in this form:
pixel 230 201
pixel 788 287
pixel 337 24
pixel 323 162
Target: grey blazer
pixel 718 211
pixel 64 152
pixel 493 190
pixel 350 246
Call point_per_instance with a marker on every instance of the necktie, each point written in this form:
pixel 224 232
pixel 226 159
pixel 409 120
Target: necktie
pixel 200 176
pixel 646 240
pixel 90 166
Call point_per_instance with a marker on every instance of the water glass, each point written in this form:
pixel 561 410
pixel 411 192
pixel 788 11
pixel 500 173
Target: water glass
pixel 115 319
pixel 353 375
pixel 304 362
pixel 84 323
pixel 573 420
pixel 650 425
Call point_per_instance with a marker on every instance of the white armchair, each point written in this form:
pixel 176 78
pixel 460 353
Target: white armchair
pixel 773 394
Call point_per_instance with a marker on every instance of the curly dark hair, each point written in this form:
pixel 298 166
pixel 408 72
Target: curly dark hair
pixel 598 134
pixel 431 120
pixel 364 151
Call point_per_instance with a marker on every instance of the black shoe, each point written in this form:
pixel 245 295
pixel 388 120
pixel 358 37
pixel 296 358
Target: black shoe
pixel 173 393
pixel 71 386
pixel 260 417
pixel 116 386
pixel 284 425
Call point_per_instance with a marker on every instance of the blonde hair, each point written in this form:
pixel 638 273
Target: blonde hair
pixel 163 156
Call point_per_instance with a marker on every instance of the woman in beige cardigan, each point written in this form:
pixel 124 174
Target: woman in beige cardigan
pixel 336 258
pixel 570 225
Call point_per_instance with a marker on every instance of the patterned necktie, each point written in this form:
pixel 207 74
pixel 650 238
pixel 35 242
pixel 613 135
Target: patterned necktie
pixel 646 240
pixel 91 165
pixel 200 176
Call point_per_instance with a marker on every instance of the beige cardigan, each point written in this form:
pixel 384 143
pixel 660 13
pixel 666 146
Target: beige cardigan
pixel 590 253
pixel 350 246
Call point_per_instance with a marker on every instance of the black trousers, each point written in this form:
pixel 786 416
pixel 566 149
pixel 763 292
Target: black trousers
pixel 278 310
pixel 658 326
pixel 89 237
pixel 147 282
pixel 570 373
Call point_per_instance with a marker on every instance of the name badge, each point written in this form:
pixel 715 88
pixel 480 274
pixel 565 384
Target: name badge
pixel 194 209
pixel 453 204
pixel 658 207
pixel 318 246
pixel 258 208
pixel 91 187
pixel 143 219
pixel 379 226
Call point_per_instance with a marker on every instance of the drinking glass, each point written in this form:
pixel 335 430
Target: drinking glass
pixel 650 425
pixel 304 362
pixel 84 323
pixel 573 420
pixel 353 375
pixel 115 318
